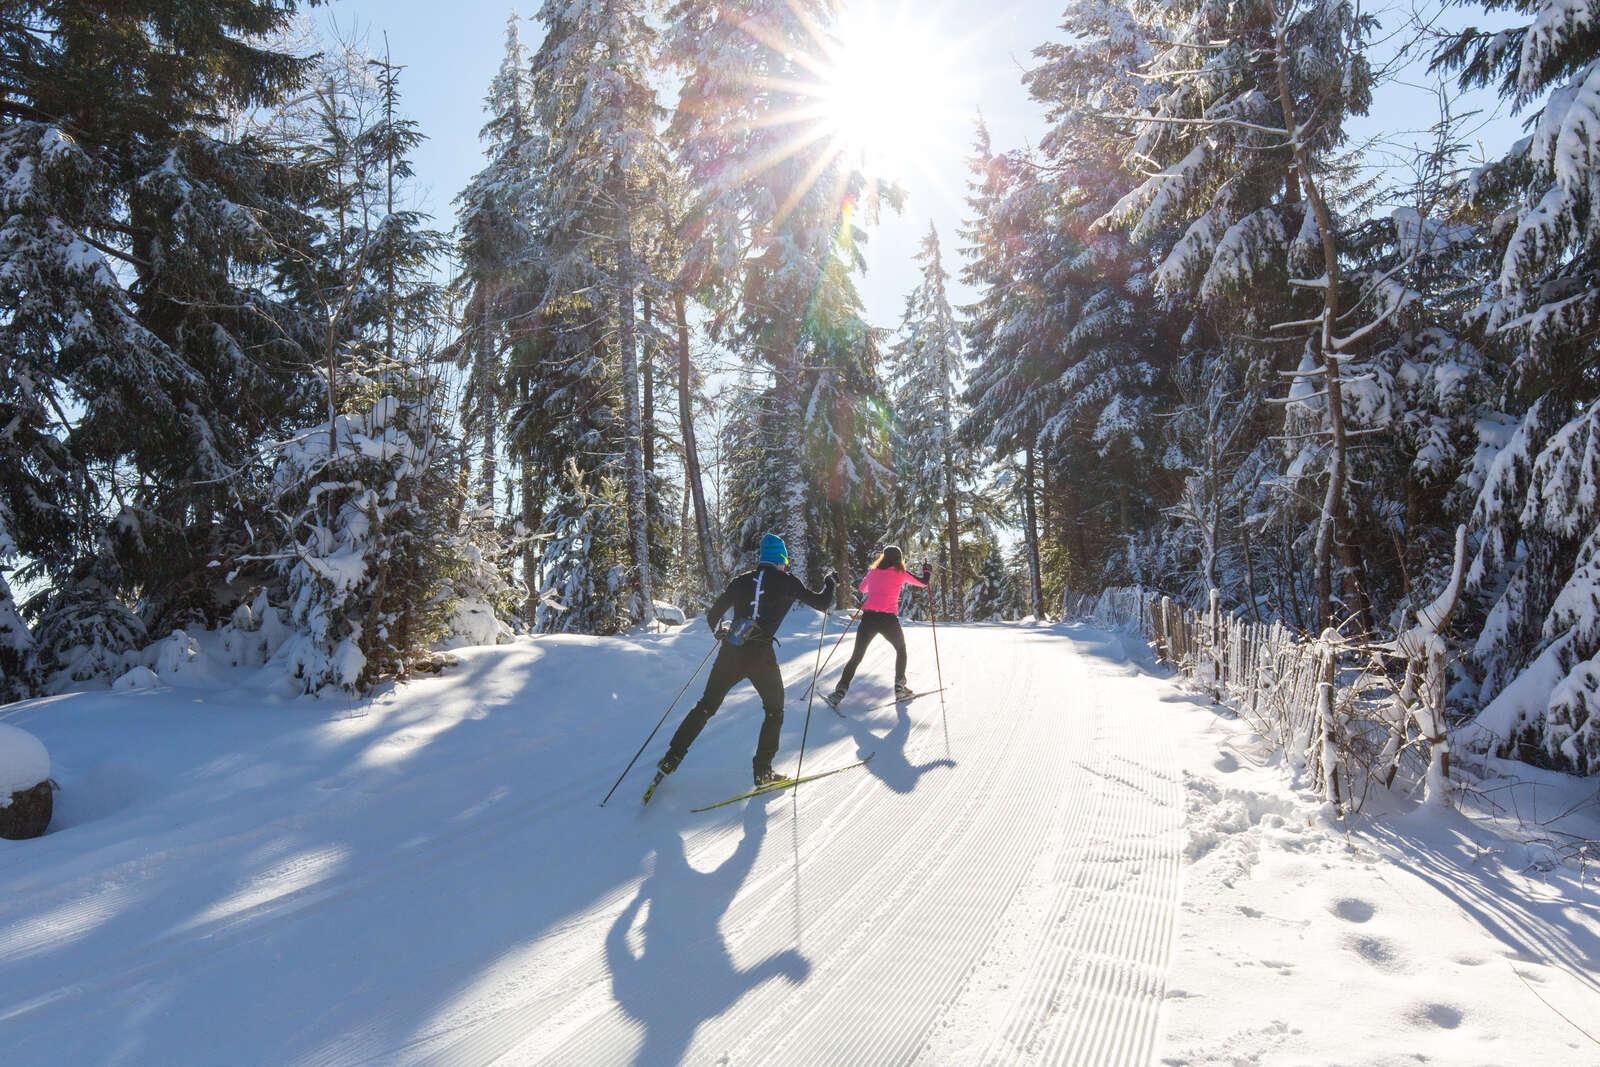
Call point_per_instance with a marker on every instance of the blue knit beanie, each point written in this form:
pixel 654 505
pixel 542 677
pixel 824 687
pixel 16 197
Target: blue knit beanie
pixel 774 551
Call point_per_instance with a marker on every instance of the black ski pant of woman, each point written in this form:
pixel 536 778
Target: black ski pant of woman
pixel 874 623
pixel 734 663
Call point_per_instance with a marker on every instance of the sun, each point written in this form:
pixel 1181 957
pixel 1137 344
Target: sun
pixel 888 91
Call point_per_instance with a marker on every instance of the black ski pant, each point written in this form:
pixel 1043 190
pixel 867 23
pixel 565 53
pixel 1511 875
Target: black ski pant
pixel 874 623
pixel 753 660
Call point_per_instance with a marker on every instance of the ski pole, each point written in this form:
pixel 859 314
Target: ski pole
pixel 933 621
pixel 805 730
pixel 854 615
pixel 663 719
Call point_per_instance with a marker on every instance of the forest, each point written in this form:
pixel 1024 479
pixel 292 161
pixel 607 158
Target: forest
pixel 247 386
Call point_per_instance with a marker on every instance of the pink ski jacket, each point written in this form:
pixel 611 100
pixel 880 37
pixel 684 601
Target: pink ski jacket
pixel 882 586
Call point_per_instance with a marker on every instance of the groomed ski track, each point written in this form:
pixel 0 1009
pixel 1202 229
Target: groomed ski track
pixel 430 879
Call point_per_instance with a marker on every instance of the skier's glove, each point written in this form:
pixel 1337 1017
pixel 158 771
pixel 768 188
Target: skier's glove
pixel 721 630
pixel 831 580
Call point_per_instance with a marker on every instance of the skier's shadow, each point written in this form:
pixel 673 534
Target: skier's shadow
pixel 890 765
pixel 684 975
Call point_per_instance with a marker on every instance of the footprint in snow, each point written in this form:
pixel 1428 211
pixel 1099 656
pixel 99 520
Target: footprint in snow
pixel 1352 909
pixel 1378 951
pixel 1444 1016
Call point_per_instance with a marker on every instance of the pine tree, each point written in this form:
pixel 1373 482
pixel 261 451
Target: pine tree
pixel 1537 567
pixel 500 284
pixel 140 242
pixel 932 473
pixel 1244 128
pixel 599 110
pixel 773 249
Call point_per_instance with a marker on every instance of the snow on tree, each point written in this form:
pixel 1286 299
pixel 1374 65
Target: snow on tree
pixel 138 253
pixel 932 473
pixel 1535 567
pixel 369 546
pixel 500 285
pixel 994 595
pixel 596 104
pixel 1243 125
pixel 774 244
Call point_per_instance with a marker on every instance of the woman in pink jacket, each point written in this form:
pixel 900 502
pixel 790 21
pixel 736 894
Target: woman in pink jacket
pixel 880 614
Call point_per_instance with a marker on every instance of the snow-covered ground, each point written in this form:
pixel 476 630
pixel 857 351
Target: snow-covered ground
pixel 1088 867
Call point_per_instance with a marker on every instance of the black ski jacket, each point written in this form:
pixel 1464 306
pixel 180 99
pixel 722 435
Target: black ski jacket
pixel 766 594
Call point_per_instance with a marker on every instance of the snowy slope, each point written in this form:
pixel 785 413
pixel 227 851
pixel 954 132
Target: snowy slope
pixel 428 877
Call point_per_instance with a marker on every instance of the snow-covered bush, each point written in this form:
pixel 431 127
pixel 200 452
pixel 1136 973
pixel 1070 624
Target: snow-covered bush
pixel 254 633
pixel 16 640
pixel 140 677
pixel 84 633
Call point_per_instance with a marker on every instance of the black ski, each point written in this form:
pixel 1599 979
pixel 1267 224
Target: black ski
pixel 783 783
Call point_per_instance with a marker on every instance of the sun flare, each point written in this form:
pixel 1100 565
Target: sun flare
pixel 888 97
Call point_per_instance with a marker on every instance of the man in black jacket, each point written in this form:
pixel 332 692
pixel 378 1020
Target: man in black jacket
pixel 759 600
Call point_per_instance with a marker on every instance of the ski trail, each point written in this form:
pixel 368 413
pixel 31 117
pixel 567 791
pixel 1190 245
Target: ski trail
pixel 1011 902
pixel 1034 883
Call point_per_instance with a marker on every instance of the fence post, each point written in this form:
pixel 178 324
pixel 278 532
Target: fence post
pixel 1329 722
pixel 1438 736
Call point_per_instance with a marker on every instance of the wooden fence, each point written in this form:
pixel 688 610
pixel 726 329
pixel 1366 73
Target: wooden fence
pixel 1332 704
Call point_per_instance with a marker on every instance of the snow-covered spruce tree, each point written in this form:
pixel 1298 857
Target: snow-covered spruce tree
pixel 1010 388
pixel 668 240
pixel 1245 127
pixel 1111 344
pixel 845 432
pixel 993 595
pixel 139 240
pixel 591 79
pixel 500 284
pixel 369 545
pixel 1537 566
pixel 771 216
pixel 932 473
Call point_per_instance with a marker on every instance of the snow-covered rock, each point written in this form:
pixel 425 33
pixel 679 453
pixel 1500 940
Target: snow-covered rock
pixel 24 763
pixel 140 677
pixel 669 614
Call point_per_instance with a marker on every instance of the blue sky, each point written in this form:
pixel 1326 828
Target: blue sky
pixel 451 50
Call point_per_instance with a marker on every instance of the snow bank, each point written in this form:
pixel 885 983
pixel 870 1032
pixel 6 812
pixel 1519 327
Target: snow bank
pixel 24 763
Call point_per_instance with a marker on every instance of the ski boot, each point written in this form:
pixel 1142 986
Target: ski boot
pixel 902 691
pixel 833 699
pixel 766 776
pixel 664 767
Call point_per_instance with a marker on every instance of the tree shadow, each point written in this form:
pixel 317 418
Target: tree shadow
pixel 684 975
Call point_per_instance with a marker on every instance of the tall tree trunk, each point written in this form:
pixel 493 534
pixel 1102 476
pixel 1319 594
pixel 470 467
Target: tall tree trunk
pixel 1332 522
pixel 532 519
pixel 488 415
pixel 841 555
pixel 633 459
pixel 691 453
pixel 1030 533
pixel 647 373
pixel 951 578
pixel 790 453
